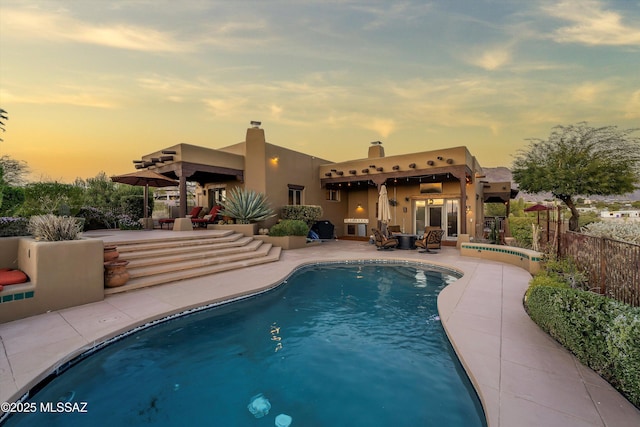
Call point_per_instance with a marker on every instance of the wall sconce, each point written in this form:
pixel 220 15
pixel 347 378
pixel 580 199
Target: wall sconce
pixel 468 209
pixel 359 207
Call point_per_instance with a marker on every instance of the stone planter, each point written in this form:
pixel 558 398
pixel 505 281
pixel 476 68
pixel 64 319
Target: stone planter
pixel 115 273
pixel 285 242
pixel 61 275
pixel 248 230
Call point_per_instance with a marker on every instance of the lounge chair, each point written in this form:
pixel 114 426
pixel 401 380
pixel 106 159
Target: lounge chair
pixel 210 218
pixel 432 239
pixel 383 242
pixel 193 214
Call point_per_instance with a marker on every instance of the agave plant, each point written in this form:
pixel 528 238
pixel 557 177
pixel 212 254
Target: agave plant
pixel 246 206
pixel 51 228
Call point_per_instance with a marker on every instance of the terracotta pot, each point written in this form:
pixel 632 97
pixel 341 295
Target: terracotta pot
pixel 115 273
pixel 111 253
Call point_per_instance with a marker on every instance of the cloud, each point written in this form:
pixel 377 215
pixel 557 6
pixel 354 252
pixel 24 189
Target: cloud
pixel 589 92
pixel 633 106
pixel 80 96
pixel 276 111
pixel 492 59
pixel 591 24
pixel 50 26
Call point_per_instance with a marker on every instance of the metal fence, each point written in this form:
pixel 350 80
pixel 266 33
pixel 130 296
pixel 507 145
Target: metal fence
pixel 613 266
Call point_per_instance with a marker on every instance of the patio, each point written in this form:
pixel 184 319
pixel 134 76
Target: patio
pixel 524 378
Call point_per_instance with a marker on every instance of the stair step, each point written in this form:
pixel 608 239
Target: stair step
pixel 175 243
pixel 259 249
pixel 173 276
pixel 205 249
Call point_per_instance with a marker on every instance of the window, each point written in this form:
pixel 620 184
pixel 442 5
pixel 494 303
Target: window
pixel 333 195
pixel 295 194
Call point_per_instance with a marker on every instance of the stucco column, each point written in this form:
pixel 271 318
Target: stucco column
pixel 182 187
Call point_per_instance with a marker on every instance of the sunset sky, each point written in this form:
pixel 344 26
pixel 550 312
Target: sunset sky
pixel 91 85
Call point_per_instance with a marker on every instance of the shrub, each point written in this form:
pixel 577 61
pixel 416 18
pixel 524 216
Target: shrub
pixel 601 332
pixel 11 198
pixel 52 228
pixel 543 278
pixel 521 230
pixel 126 222
pixel 10 226
pixel 289 227
pixel 97 219
pixel 625 231
pixel 307 213
pixel 246 206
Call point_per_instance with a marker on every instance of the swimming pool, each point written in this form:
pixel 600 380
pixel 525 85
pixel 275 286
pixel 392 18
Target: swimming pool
pixel 352 345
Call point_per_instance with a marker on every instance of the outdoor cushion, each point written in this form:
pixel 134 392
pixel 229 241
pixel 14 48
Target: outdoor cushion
pixel 12 277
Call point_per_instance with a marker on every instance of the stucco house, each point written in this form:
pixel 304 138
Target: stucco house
pixel 444 187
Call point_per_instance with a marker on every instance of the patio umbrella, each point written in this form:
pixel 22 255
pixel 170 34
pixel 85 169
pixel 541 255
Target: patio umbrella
pixel 145 178
pixel 384 212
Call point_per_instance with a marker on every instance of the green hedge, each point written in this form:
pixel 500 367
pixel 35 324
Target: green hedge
pixel 289 227
pixel 601 332
pixel 307 213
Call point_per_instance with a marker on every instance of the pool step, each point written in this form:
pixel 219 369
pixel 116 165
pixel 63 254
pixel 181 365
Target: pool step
pixel 158 261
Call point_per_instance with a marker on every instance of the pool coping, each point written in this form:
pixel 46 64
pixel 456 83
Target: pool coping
pixel 520 374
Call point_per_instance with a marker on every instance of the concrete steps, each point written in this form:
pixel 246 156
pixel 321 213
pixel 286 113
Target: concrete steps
pixel 153 262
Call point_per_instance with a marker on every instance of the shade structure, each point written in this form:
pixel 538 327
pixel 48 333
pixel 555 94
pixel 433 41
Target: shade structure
pixel 145 178
pixel 538 208
pixel 384 211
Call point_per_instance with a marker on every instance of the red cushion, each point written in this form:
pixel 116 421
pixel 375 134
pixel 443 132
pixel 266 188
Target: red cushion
pixel 12 277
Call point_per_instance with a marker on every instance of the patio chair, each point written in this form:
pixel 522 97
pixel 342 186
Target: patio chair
pixel 432 239
pixel 383 242
pixel 210 218
pixel 193 214
pixel 394 229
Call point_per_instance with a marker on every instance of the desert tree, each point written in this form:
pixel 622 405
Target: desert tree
pixel 580 160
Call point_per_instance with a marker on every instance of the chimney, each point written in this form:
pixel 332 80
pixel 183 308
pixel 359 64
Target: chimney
pixel 376 150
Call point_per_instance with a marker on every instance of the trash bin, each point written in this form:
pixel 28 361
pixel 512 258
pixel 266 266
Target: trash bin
pixel 325 229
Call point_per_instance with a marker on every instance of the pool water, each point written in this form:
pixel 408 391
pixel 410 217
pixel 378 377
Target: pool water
pixel 338 345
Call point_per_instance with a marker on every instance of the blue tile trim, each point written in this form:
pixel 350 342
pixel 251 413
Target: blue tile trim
pixel 18 296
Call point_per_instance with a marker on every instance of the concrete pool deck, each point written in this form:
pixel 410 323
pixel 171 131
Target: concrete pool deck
pixel 524 377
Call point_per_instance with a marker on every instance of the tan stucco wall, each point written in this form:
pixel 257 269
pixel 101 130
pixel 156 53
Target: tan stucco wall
pixel 201 155
pixel 62 274
pixel 457 155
